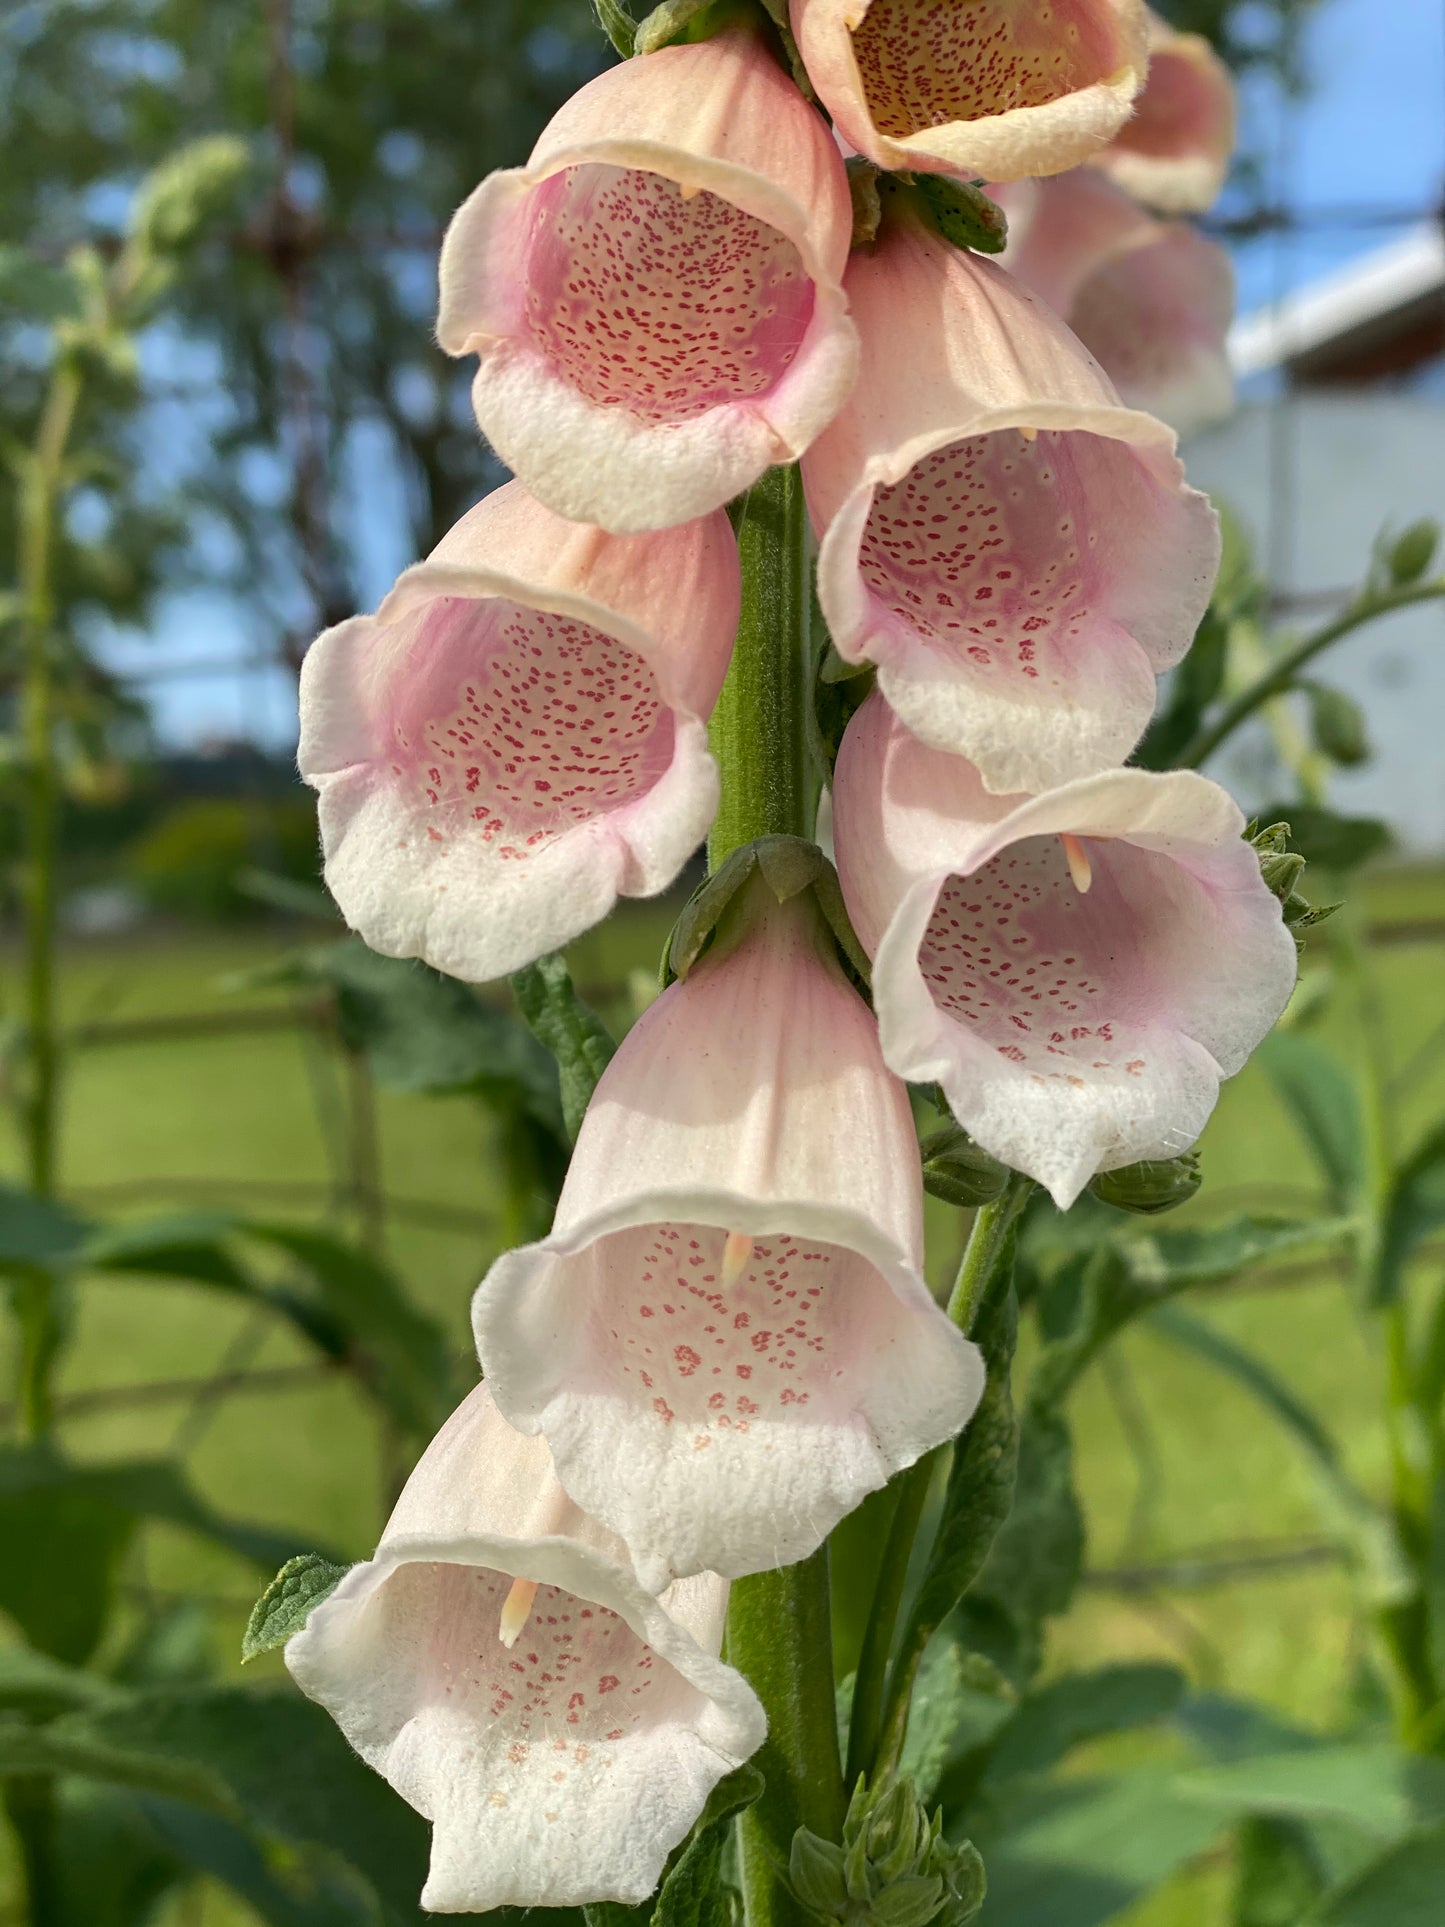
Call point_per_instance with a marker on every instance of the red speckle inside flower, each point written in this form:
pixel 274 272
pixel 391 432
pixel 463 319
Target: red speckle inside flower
pixel 510 725
pixel 577 1681
pixel 988 551
pixel 924 63
pixel 1065 985
pixel 776 1343
pixel 663 305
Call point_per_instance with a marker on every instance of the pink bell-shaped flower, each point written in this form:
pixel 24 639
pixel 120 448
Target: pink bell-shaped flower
pixel 498 1664
pixel 1173 152
pixel 1077 970
pixel 1016 550
pixel 726 1340
pixel 517 737
pixel 655 299
pixel 988 89
pixel 1151 300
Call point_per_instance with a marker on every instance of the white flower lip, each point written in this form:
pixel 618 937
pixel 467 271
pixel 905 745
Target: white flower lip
pixel 726 1341
pixel 562 1768
pixel 517 737
pixel 1072 1030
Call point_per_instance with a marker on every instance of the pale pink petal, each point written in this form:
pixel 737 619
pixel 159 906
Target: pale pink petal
pixel 987 89
pixel 726 1341
pixel 1151 299
pixel 1173 154
pixel 1016 550
pixel 654 299
pixel 1072 1030
pixel 517 737
pixel 562 1768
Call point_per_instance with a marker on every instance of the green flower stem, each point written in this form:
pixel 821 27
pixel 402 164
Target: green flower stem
pixel 780 1635
pixel 38 1305
pixel 986 1247
pixel 1276 681
pixel 758 727
pixel 779 1623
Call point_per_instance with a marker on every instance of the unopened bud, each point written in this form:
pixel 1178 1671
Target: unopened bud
pixel 1150 1187
pixel 959 1171
pixel 961 212
pixel 186 191
pixel 1281 873
pixel 1338 725
pixel 1412 553
pixel 894 1868
pixel 815 1870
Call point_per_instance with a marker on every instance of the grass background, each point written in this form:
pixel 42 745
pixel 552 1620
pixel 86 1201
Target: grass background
pixel 1172 1459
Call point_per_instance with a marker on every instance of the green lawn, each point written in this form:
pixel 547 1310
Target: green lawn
pixel 258 1118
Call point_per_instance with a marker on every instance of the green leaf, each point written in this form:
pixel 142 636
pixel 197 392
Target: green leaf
pixel 1368 1529
pixel 985 1461
pixel 295 1887
pixel 1278 1873
pixel 1334 842
pixel 187 1245
pixel 1078 1853
pixel 1052 1721
pixel 412 1366
pixel 959 1703
pixel 66 1528
pixel 1414 1208
pixel 691 1892
pixel 287 1603
pixel 1373 1786
pixel 1403 1888
pixel 37 1686
pixel 37 1231
pixel 570 1029
pixel 1321 1098
pixel 1034 1563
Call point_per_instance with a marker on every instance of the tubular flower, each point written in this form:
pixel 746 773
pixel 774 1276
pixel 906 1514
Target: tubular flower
pixel 1078 970
pixel 517 737
pixel 1016 551
pixel 655 298
pixel 988 89
pixel 1173 154
pixel 726 1341
pixel 1152 300
pixel 498 1664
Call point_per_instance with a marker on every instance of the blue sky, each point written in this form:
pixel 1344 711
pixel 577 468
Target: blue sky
pixel 1369 135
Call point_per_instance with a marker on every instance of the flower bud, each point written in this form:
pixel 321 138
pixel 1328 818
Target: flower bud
pixel 1338 725
pixel 1413 552
pixel 894 1868
pixel 960 1171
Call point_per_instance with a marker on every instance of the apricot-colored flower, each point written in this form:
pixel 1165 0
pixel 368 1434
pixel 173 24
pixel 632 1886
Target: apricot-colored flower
pixel 654 298
pixel 1152 300
pixel 1173 153
pixel 726 1340
pixel 517 737
pixel 1016 550
pixel 1077 970
pixel 988 89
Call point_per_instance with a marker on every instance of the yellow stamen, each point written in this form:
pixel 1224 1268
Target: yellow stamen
pixel 1080 868
pixel 1029 434
pixel 737 1250
pixel 687 189
pixel 516 1610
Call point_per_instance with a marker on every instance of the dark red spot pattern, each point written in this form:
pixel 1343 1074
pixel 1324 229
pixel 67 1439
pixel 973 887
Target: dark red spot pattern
pixel 510 725
pixel 577 1681
pixel 1064 986
pixel 662 305
pixel 925 63
pixel 987 551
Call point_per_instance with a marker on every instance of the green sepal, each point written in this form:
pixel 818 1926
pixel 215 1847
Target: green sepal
pixel 867 201
pixel 1150 1187
pixel 785 866
pixel 961 212
pixel 618 25
pixel 288 1602
pixel 959 1171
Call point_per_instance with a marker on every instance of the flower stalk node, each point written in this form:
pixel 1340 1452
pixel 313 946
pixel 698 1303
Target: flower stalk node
pixel 784 867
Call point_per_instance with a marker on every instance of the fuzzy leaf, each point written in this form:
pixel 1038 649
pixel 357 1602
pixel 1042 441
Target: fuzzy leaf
pixel 691 1893
pixel 287 1603
pixel 570 1029
pixel 1402 1888
pixel 1319 1095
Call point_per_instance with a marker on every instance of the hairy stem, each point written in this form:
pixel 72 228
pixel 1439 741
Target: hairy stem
pixel 779 1623
pixel 1276 681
